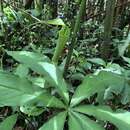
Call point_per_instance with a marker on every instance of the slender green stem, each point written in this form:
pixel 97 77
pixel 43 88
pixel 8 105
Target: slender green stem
pixel 74 35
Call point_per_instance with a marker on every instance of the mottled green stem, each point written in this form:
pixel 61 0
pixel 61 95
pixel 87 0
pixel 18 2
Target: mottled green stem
pixel 64 34
pixel 74 35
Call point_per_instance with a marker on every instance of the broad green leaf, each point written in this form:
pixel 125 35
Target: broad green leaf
pixel 98 61
pixel 8 123
pixel 77 76
pixel 56 21
pixel 38 81
pixel 51 72
pixel 27 56
pixel 64 34
pixel 22 70
pixel 46 100
pixel 126 95
pixel 97 83
pixel 119 118
pixel 126 59
pixel 55 123
pixel 80 122
pixel 16 91
pixel 123 92
pixel 10 80
pixel 115 68
pixel 122 47
pixel 31 110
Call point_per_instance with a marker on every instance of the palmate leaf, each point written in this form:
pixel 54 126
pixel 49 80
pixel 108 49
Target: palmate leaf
pixel 97 83
pixel 8 123
pixel 55 123
pixel 120 118
pixel 51 72
pixel 78 121
pixel 16 91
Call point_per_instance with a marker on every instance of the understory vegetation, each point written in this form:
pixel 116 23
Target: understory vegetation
pixel 64 64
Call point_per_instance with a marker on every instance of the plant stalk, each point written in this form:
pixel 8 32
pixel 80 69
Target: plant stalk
pixel 74 35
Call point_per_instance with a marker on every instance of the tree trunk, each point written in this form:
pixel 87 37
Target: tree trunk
pixel 108 23
pixel 28 3
pixel 53 5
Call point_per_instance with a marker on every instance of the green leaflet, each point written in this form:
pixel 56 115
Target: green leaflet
pixel 122 47
pixel 80 122
pixel 126 59
pixel 22 70
pixel 27 56
pixel 38 81
pixel 51 72
pixel 16 91
pixel 31 110
pixel 9 80
pixel 8 123
pixel 47 100
pixel 57 21
pixel 55 123
pixel 97 83
pixel 120 118
pixel 64 34
pixel 97 61
pixel 126 95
